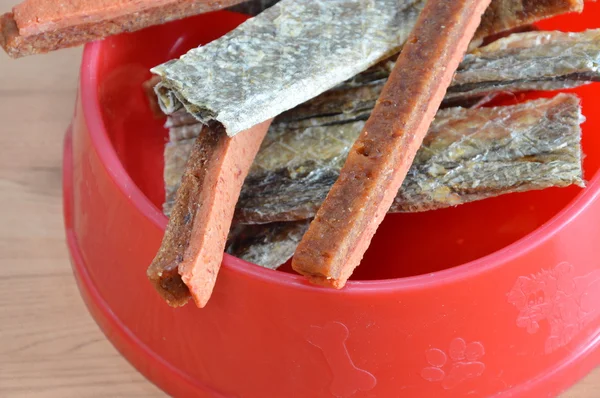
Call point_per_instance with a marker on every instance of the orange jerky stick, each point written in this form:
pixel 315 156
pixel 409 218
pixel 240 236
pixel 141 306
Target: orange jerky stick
pixel 192 249
pixel 40 26
pixel 379 160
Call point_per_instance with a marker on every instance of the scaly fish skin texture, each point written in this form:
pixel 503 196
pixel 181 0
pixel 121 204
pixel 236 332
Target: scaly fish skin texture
pixel 529 61
pixel 533 145
pixel 283 57
pixel 268 245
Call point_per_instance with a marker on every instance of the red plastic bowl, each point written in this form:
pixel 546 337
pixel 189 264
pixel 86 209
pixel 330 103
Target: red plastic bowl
pixel 501 297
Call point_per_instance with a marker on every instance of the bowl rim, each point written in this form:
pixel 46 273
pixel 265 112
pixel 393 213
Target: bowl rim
pixel 103 146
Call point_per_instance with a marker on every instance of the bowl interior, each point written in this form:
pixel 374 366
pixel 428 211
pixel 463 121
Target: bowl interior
pixel 406 244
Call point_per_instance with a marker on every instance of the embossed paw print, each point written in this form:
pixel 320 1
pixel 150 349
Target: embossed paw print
pixel 464 363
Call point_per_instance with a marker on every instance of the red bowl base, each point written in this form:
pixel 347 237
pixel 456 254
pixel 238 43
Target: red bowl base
pixel 526 316
pixel 175 383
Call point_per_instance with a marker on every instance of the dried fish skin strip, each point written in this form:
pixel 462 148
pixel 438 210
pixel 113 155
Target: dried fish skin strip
pixel 182 126
pixel 450 169
pixel 179 118
pixel 535 145
pixel 529 61
pixel 342 103
pixel 480 74
pixel 504 15
pixel 470 155
pixel 267 245
pixel 285 56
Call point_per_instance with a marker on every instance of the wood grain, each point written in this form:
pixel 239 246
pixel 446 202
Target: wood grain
pixel 49 345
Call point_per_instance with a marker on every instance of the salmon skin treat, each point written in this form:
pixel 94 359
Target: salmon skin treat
pixel 381 157
pixel 40 26
pixel 190 256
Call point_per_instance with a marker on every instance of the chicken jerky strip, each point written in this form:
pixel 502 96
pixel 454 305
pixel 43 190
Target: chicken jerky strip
pixel 381 157
pixel 40 26
pixel 190 255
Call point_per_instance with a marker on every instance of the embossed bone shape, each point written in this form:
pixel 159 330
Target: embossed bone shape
pixel 347 378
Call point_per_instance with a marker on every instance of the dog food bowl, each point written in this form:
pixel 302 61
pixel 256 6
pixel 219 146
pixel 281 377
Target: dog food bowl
pixel 499 297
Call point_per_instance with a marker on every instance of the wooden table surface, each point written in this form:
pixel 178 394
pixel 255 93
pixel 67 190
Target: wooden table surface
pixel 49 344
